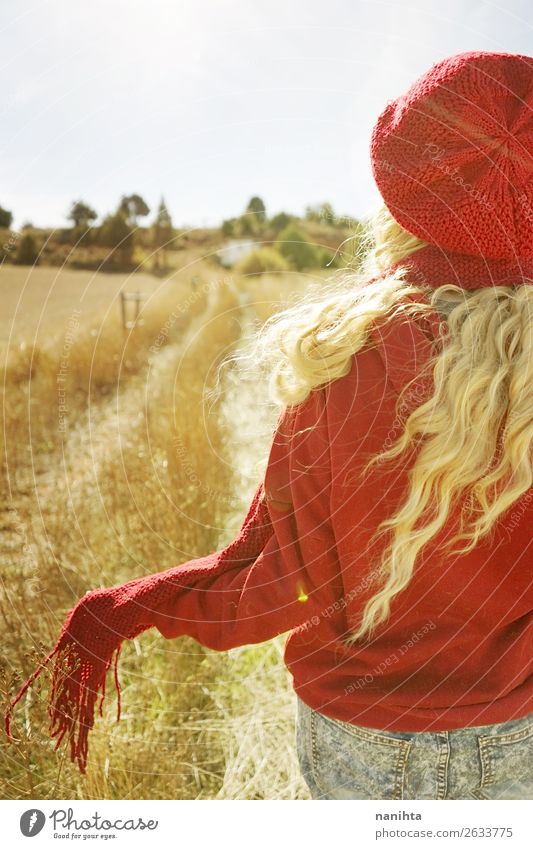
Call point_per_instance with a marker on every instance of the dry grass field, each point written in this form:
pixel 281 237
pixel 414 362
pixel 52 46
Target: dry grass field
pixel 37 301
pixel 115 464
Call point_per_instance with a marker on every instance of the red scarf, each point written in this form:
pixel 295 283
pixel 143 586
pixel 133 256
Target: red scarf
pixel 92 635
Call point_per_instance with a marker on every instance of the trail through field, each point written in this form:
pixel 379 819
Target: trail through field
pixel 251 706
pixel 103 430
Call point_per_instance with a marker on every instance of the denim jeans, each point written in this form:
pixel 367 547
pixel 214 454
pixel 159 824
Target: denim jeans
pixel 339 760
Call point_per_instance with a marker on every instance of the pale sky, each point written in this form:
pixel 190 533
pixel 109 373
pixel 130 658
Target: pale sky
pixel 209 103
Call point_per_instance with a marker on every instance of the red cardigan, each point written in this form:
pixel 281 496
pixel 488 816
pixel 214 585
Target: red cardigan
pixel 457 648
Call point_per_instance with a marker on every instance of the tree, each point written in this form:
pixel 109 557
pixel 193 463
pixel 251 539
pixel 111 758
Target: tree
pixel 162 234
pixel 294 244
pixel 256 207
pixel 326 213
pixel 133 207
pixel 117 234
pixel 6 218
pixel 323 213
pixel 81 215
pixel 311 213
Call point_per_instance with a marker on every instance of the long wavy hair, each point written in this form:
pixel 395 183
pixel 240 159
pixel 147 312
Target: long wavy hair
pixel 474 435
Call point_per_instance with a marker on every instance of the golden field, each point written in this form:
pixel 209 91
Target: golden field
pixel 117 462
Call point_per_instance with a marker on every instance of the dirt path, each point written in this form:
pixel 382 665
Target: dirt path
pixel 105 429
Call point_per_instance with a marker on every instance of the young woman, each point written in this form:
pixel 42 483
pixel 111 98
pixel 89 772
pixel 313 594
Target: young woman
pixel 391 533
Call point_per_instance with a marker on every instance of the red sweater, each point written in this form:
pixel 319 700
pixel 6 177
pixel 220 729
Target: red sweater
pixel 456 649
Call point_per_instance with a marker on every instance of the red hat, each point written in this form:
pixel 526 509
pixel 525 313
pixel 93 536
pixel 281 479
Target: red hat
pixel 453 160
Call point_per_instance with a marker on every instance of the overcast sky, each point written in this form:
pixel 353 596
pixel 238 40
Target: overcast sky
pixel 211 101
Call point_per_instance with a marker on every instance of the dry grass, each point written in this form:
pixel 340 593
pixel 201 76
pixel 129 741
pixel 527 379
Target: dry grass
pixel 37 300
pixel 142 477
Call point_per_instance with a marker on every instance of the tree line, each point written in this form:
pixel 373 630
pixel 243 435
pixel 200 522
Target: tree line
pixel 284 240
pixel 118 233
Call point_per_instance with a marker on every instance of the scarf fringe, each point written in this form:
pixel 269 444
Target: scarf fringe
pixel 78 678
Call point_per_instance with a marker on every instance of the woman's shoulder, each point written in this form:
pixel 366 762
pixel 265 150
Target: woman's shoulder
pixel 395 352
pixel 405 342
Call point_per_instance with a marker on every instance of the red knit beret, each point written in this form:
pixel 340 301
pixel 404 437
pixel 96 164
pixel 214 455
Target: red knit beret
pixel 453 159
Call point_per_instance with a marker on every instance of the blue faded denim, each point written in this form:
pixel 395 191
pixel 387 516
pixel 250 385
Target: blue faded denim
pixel 339 760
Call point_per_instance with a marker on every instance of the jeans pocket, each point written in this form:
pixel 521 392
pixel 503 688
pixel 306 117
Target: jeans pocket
pixel 352 762
pixel 506 763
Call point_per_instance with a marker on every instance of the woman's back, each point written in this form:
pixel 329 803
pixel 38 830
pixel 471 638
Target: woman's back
pixel 452 652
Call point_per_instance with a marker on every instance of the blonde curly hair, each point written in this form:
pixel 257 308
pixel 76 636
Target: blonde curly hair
pixel 483 384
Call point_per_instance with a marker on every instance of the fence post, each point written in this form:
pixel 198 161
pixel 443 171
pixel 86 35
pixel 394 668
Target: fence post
pixel 125 297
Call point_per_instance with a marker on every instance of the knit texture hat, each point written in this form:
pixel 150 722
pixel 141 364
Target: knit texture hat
pixel 453 160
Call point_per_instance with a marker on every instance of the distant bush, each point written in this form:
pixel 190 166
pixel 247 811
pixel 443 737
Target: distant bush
pixel 227 227
pixel 28 252
pixel 244 226
pixel 294 244
pixel 281 220
pixel 247 225
pixel 64 236
pixel 262 261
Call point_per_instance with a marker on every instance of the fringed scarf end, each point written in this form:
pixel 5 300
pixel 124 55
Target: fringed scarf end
pixel 83 658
